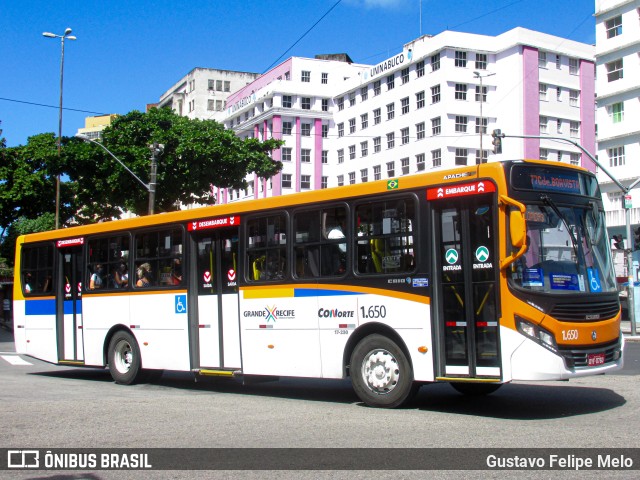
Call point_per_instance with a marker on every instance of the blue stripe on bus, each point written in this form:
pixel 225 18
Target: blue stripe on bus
pixel 68 307
pixel 316 292
pixel 40 307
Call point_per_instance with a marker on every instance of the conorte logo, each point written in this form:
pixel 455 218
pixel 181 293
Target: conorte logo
pixel 23 459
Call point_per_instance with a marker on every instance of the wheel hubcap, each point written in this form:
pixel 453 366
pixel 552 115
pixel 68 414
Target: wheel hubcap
pixel 380 371
pixel 123 356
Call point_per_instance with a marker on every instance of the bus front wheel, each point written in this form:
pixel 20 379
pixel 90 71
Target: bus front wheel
pixel 124 358
pixel 380 372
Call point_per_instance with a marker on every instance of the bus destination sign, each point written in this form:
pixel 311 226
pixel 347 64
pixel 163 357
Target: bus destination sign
pixel 209 223
pixel 550 182
pixel 460 190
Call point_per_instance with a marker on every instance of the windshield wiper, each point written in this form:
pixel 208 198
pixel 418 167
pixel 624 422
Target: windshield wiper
pixel 547 200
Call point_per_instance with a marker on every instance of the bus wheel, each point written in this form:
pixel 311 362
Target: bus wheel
pixel 124 358
pixel 380 373
pixel 475 389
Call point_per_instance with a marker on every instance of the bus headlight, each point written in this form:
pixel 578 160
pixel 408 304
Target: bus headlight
pixel 537 334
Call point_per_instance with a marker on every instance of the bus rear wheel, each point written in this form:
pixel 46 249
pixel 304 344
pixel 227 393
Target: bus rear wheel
pixel 381 374
pixel 475 389
pixel 124 359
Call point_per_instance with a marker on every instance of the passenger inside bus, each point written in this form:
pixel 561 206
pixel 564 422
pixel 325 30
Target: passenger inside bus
pixel 144 276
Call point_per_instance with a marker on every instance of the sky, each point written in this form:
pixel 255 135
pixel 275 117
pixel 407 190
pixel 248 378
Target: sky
pixel 129 52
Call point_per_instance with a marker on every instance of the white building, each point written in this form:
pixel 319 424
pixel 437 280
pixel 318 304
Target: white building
pixel 618 105
pixel 418 110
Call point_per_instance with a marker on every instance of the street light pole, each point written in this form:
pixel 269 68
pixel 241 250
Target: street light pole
pixel 66 35
pixel 480 77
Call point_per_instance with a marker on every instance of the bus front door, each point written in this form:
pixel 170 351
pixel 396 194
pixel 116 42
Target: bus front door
pixel 69 306
pixel 216 284
pixel 466 306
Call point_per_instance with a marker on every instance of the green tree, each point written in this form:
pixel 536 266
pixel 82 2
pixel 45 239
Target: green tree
pixel 22 226
pixel 197 154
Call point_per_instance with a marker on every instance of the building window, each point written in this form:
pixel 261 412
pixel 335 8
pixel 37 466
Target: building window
pixel 324 182
pixel 544 154
pixel 420 164
pixel 227 86
pixel 616 156
pixel 614 70
pixel 435 94
pixel 364 121
pixel 286 101
pixel 573 66
pixel 391 140
pixel 391 81
pixel 420 133
pixel 559 125
pixel 543 124
pixel 364 175
pixel 377 172
pixel 305 155
pixel 560 155
pixel 286 180
pixel 391 169
pixel 614 26
pixel 352 152
pixel 305 129
pixel 305 182
pixel 482 158
pixel 341 103
pixel 324 78
pixel 461 156
pixel 286 128
pixel 435 62
pixel 404 74
pixel 340 130
pixel 286 154
pixel 377 116
pixel 391 111
pixel 404 134
pixel 352 125
pixel 325 130
pixel 481 95
pixel 461 123
pixel 558 94
pixel 484 124
pixel 352 178
pixel 420 69
pixel 325 157
pixel 352 99
pixel 306 76
pixel 364 93
pixel 616 112
pixel 574 129
pixel 461 59
pixel 558 62
pixel 211 85
pixel 436 127
pixel 481 61
pixel 574 159
pixel 405 105
pixel 219 85
pixel 436 158
pixel 420 100
pixel 211 105
pixel 377 144
pixel 341 155
pixel 325 105
pixel 574 95
pixel 376 88
pixel 404 165
pixel 340 180
pixel 306 103
pixel 542 92
pixel 364 148
pixel 461 91
pixel 542 59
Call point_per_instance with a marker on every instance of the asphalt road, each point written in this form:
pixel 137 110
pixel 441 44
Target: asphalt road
pixel 46 406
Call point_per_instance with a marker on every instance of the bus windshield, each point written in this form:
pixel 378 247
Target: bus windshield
pixel 567 250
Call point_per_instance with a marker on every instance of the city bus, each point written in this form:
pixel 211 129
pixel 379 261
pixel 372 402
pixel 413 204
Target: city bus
pixel 476 276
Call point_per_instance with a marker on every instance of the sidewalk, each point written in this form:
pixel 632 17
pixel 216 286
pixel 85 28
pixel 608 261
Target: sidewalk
pixel 625 326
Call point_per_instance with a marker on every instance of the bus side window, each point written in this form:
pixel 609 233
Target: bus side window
pixel 267 248
pixel 37 270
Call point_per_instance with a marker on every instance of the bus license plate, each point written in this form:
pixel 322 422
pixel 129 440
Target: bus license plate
pixel 594 359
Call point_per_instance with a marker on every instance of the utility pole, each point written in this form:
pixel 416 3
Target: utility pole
pixel 156 151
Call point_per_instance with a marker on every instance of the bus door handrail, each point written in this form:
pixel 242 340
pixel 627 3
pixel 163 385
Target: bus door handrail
pixel 514 256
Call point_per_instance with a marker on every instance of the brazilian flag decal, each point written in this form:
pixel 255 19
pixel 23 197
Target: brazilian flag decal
pixel 393 184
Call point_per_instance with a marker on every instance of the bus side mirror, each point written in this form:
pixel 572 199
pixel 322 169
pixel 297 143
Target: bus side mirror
pixel 517 229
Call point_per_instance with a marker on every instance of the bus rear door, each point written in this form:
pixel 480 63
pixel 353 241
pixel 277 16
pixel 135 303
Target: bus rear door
pixel 466 266
pixel 69 302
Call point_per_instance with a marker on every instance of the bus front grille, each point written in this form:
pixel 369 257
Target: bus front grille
pixel 585 312
pixel 580 358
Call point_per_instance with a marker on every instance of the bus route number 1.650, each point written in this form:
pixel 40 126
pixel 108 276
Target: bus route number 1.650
pixel 374 311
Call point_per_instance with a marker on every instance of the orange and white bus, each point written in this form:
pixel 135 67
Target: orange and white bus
pixel 476 276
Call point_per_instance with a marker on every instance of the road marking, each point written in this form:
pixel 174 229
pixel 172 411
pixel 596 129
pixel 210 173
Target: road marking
pixel 15 360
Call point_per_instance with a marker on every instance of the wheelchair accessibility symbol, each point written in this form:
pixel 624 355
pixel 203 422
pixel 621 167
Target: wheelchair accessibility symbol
pixel 594 280
pixel 181 304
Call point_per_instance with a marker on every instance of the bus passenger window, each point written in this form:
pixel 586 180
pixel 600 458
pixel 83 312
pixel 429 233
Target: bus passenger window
pixel 159 258
pixel 37 270
pixel 267 248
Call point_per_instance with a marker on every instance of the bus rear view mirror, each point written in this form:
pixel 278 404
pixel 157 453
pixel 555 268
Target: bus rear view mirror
pixel 517 228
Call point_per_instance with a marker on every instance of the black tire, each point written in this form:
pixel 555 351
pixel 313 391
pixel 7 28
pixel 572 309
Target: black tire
pixel 125 364
pixel 475 389
pixel 381 374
